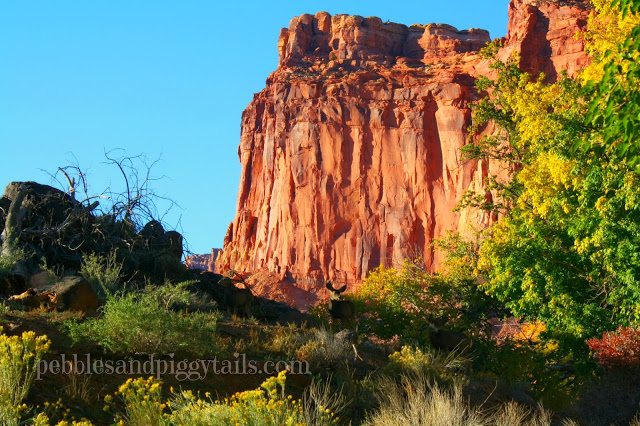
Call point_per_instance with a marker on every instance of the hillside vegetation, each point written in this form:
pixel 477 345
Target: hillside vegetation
pixel 534 321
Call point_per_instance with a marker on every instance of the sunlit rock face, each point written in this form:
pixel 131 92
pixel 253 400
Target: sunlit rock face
pixel 351 154
pixel 203 262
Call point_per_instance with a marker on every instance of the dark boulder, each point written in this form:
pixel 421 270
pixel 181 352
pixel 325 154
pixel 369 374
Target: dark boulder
pixel 43 205
pixel 75 294
pixel 174 244
pixel 13 283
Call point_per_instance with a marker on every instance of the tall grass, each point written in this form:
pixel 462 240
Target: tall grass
pixel 324 347
pixel 417 400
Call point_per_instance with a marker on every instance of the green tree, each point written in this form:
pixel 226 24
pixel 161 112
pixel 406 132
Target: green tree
pixel 403 301
pixel 614 44
pixel 567 248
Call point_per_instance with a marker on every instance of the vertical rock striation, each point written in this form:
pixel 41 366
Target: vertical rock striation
pixel 351 154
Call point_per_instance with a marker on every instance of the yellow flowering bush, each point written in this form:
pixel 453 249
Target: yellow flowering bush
pixel 267 405
pixel 142 400
pixel 41 419
pixel 430 362
pixel 19 356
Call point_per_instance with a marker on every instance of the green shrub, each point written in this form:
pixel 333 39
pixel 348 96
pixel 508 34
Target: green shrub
pixel 102 272
pixel 400 301
pixel 4 309
pixel 9 261
pixel 285 340
pixel 523 363
pixel 140 323
pixel 171 295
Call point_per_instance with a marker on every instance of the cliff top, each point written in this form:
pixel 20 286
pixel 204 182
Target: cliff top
pixel 361 41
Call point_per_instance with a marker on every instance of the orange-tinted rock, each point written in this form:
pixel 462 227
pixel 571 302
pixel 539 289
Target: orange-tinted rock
pixel 351 154
pixel 545 34
pixel 203 262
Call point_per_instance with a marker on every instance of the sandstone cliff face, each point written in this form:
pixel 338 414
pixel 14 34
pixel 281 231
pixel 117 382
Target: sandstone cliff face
pixel 351 154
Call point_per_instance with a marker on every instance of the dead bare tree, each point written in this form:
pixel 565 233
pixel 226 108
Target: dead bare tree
pixel 138 202
pixel 62 225
pixel 135 200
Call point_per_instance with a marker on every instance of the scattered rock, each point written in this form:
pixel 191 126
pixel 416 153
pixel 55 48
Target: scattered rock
pixel 41 279
pixel 43 204
pixel 76 294
pixel 16 328
pixel 160 242
pixel 29 299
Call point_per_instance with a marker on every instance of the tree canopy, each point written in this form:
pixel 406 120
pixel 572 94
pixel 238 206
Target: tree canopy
pixel 566 249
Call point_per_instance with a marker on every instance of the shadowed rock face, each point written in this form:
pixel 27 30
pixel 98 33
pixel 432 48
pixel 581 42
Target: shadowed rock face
pixel 351 154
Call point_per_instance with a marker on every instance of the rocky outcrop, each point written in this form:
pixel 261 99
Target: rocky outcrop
pixel 203 262
pixel 351 154
pixel 544 32
pixel 39 223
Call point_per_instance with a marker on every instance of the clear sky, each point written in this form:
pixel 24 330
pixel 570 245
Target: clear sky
pixel 162 78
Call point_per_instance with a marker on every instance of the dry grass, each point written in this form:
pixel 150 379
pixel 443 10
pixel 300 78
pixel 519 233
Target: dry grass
pixel 323 347
pixel 416 400
pixel 511 413
pixel 285 340
pixel 319 396
pixel 79 386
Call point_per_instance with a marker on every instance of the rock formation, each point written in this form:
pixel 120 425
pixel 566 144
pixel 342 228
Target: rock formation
pixel 203 262
pixel 351 154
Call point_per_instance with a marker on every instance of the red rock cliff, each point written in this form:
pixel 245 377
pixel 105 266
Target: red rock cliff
pixel 351 154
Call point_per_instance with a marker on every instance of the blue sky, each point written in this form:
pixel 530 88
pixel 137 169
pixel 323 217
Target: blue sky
pixel 162 78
